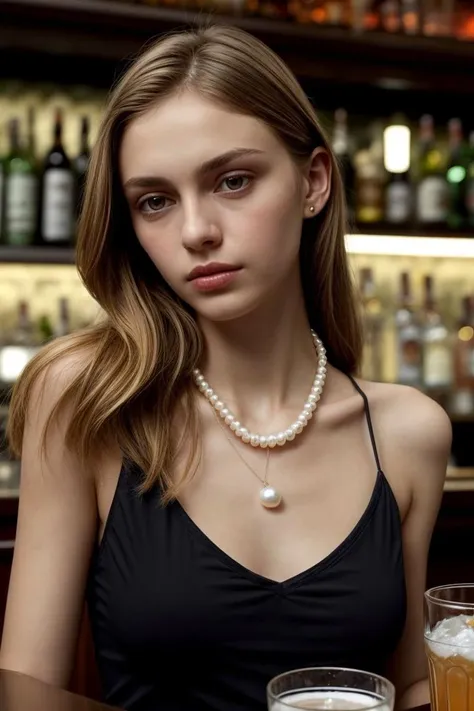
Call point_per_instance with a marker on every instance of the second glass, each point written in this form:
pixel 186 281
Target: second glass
pixel 449 642
pixel 330 688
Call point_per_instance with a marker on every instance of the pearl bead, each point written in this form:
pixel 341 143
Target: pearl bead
pixel 270 498
pixel 278 438
pixel 271 441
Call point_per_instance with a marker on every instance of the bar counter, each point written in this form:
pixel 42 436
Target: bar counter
pixel 22 693
pixel 19 692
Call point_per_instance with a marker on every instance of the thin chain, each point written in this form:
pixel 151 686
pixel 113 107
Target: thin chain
pixel 265 479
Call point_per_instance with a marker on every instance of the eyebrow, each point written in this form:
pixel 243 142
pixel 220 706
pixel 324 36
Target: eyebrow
pixel 206 167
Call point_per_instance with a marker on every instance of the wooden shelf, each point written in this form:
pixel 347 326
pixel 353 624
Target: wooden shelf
pixel 109 32
pixel 36 255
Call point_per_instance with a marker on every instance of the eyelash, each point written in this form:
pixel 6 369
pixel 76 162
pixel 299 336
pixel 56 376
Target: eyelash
pixel 144 200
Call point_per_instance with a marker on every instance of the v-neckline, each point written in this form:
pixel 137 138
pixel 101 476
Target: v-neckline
pixel 298 578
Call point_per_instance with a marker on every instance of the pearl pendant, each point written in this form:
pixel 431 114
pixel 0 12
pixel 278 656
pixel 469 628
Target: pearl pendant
pixel 270 498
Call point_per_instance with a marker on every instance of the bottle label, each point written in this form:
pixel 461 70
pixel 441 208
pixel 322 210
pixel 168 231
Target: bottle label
pixel 369 200
pixel 398 202
pixel 409 355
pixel 433 199
pixel 437 365
pixel 20 207
pixel 58 206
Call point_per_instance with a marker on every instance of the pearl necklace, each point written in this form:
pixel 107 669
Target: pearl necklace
pixel 269 496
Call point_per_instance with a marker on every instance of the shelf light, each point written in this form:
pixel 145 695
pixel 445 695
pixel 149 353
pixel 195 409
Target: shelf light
pixel 402 246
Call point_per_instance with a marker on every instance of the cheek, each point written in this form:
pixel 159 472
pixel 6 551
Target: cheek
pixel 156 244
pixel 274 221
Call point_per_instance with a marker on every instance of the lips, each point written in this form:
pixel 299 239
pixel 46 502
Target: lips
pixel 211 269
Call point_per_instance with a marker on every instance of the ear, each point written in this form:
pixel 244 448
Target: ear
pixel 317 182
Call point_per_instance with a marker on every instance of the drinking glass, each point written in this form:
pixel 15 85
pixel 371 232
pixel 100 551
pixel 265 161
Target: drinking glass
pixel 449 644
pixel 330 688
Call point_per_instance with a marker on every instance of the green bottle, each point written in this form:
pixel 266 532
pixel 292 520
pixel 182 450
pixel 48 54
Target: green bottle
pixel 21 192
pixel 456 176
pixel 470 184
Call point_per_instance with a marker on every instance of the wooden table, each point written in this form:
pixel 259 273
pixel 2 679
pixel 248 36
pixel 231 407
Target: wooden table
pixel 23 693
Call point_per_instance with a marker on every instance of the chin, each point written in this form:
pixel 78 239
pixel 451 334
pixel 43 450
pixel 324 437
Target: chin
pixel 221 310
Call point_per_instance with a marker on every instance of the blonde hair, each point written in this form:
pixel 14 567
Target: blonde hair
pixel 136 367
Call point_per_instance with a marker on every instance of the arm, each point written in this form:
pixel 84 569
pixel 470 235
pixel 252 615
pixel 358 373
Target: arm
pixel 55 536
pixel 424 443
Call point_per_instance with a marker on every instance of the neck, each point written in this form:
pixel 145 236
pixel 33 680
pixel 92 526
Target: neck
pixel 262 365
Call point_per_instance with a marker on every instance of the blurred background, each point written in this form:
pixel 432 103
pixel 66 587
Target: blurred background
pixel 393 82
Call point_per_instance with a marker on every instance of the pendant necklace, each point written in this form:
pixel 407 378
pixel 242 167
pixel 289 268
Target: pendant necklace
pixel 269 496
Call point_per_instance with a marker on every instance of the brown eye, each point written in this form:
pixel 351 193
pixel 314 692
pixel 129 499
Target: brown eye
pixel 233 183
pixel 155 203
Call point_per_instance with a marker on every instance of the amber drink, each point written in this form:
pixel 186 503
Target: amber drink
pixel 449 643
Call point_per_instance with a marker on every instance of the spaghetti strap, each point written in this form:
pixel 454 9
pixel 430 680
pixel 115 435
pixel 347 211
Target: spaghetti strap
pixel 369 421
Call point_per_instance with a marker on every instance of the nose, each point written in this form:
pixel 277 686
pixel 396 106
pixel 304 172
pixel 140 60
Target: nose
pixel 200 229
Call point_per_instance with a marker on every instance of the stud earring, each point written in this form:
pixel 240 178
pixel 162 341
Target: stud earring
pixel 311 208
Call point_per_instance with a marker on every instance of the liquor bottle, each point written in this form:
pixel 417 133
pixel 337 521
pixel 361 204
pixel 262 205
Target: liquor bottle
pixel 470 184
pixel 464 347
pixel 390 15
pixel 456 176
pixel 369 194
pixel 81 163
pixel 19 347
pixel 437 350
pixel 410 10
pixel 398 199
pixel 312 11
pixel 397 152
pixel 409 337
pixel 2 192
pixel 340 145
pixel 338 13
pixel 21 192
pixel 432 192
pixel 64 323
pixel 58 202
pixel 45 329
pixel 31 136
pixel 372 314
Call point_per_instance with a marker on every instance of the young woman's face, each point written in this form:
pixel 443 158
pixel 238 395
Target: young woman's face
pixel 206 185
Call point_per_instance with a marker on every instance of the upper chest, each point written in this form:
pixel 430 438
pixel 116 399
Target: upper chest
pixel 326 478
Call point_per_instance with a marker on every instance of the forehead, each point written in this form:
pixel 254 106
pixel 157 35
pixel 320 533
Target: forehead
pixel 187 129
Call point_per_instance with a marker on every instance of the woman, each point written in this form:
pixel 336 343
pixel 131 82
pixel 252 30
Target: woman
pixel 214 557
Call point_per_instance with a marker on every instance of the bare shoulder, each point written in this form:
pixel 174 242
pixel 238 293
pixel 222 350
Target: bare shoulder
pixel 414 437
pixel 412 419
